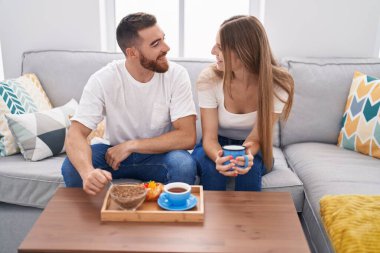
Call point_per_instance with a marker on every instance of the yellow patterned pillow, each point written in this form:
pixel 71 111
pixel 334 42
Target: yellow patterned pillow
pixel 18 96
pixel 352 222
pixel 361 120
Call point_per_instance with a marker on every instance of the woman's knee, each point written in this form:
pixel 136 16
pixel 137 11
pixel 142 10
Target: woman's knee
pixel 258 164
pixel 203 162
pixel 206 167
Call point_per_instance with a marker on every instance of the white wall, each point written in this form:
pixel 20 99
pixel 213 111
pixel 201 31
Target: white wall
pixel 46 24
pixel 319 28
pixel 323 28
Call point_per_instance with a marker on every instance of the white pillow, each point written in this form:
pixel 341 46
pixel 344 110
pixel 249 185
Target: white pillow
pixel 42 134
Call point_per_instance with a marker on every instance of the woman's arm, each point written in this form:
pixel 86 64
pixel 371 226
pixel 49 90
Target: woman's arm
pixel 211 146
pixel 252 142
pixel 209 119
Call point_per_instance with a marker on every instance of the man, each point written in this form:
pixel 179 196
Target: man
pixel 150 115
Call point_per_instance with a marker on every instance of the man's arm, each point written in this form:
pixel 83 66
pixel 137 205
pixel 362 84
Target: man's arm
pixel 77 148
pixel 181 138
pixel 80 155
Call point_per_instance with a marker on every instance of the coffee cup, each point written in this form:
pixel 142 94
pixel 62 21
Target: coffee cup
pixel 235 151
pixel 177 193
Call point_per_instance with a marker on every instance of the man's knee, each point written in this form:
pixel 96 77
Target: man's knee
pixel 181 158
pixel 181 164
pixel 70 175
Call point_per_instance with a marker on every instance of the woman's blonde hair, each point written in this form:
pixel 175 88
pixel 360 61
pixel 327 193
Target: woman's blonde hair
pixel 246 37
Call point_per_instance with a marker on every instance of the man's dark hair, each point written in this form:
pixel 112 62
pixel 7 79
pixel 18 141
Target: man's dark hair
pixel 127 30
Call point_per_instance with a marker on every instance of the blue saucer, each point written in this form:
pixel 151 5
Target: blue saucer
pixel 165 204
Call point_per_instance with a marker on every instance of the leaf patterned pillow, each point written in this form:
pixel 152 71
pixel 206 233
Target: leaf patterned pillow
pixel 18 96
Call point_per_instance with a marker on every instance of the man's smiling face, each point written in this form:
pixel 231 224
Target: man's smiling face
pixel 152 49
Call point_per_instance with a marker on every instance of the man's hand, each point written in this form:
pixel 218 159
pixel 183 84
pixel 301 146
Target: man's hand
pixel 118 153
pixel 94 181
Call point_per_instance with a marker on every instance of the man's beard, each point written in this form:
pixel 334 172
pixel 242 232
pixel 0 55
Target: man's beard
pixel 154 65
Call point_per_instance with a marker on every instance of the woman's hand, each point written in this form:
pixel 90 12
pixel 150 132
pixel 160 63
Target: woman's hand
pixel 240 161
pixel 226 170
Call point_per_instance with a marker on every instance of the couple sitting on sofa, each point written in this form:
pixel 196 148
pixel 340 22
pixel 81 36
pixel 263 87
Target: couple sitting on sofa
pixel 151 113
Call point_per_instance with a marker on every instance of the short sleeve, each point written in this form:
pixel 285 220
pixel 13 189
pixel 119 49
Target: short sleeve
pixel 278 104
pixel 182 102
pixel 206 88
pixel 91 111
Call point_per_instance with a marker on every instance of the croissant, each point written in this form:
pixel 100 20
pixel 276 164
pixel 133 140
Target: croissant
pixel 154 190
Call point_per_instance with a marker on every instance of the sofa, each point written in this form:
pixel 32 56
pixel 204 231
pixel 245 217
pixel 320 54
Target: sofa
pixel 308 164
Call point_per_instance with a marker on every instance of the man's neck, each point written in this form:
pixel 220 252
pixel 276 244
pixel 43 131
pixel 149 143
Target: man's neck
pixel 138 72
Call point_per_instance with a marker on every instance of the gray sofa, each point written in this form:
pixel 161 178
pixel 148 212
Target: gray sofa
pixel 309 137
pixel 307 162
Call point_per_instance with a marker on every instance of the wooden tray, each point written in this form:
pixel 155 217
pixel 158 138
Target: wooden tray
pixel 149 211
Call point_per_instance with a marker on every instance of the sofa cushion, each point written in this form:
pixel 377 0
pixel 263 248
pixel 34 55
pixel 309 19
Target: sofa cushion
pixel 361 119
pixel 42 134
pixel 321 90
pixel 282 179
pixel 29 183
pixel 326 169
pixel 19 96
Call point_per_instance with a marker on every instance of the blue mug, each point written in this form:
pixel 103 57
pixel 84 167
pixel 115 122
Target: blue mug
pixel 177 193
pixel 235 151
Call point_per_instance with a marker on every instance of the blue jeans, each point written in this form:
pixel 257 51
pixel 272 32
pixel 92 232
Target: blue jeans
pixel 211 179
pixel 173 166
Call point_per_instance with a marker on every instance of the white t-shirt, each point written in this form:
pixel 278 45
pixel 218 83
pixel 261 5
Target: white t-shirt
pixel 231 125
pixel 135 110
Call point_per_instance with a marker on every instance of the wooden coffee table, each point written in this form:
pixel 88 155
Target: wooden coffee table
pixel 234 222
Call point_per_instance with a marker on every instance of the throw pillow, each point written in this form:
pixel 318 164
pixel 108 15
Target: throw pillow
pixel 42 134
pixel 98 133
pixel 352 222
pixel 361 120
pixel 18 96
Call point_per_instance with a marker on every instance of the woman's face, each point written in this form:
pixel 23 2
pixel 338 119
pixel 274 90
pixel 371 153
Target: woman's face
pixel 217 51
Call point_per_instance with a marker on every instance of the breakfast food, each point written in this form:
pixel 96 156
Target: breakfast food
pixel 153 190
pixel 128 197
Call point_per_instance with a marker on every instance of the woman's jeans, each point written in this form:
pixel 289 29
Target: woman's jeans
pixel 173 166
pixel 211 179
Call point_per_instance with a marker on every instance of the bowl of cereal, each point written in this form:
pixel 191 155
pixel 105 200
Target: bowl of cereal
pixel 128 197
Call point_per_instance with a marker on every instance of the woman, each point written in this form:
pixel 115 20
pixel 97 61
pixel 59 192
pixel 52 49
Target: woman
pixel 240 98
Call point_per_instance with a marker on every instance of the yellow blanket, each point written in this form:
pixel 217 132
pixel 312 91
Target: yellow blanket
pixel 352 222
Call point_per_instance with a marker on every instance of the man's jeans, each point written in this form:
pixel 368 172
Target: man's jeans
pixel 174 166
pixel 211 179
